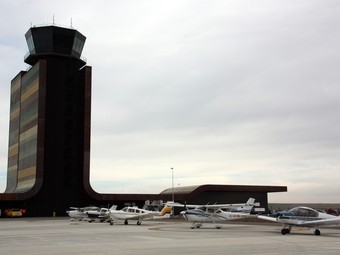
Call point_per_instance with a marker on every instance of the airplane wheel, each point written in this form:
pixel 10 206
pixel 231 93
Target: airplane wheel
pixel 138 223
pixel 126 222
pixel 196 225
pixel 285 231
pixel 111 223
pixel 317 232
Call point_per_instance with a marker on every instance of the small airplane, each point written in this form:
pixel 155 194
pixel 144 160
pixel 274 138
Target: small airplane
pixel 214 213
pixel 302 217
pixel 89 213
pixel 135 213
pixel 102 214
pixel 79 213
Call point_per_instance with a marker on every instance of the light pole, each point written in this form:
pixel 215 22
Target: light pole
pixel 173 191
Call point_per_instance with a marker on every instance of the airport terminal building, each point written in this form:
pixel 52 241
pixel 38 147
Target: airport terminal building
pixel 49 136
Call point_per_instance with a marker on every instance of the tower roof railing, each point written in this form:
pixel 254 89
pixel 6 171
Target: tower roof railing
pixel 54 25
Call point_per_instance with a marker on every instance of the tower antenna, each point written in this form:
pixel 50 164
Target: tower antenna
pixel 71 23
pixel 53 18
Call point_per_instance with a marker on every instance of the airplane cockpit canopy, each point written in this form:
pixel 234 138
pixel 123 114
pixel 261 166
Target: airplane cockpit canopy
pixel 208 210
pixel 304 212
pixel 132 210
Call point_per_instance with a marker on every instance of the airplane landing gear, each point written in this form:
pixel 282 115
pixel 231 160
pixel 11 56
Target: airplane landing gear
pixel 126 222
pixel 317 232
pixel 285 231
pixel 139 223
pixel 196 225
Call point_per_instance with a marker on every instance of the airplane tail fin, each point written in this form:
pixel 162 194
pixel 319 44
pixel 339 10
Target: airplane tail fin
pixel 247 207
pixel 114 207
pixel 251 202
pixel 166 209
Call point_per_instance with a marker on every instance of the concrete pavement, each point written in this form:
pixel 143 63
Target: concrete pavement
pixel 61 236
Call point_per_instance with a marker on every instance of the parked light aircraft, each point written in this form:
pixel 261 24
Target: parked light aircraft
pixel 79 213
pixel 89 213
pixel 214 213
pixel 135 213
pixel 302 217
pixel 102 214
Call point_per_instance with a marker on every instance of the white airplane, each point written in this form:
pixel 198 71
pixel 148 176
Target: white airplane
pixel 79 213
pixel 135 213
pixel 302 217
pixel 101 214
pixel 214 213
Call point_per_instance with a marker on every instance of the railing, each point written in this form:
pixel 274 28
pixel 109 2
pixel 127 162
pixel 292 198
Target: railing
pixel 53 24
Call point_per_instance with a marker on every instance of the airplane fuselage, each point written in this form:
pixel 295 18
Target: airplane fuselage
pixel 198 215
pixel 75 214
pixel 302 217
pixel 131 213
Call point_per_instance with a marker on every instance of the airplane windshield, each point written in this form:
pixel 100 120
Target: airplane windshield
pixel 210 210
pixel 213 210
pixel 304 212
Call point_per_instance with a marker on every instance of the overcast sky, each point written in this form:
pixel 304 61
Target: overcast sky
pixel 224 92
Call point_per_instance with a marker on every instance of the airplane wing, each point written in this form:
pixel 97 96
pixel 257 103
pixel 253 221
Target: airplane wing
pixel 217 206
pixel 268 218
pixel 250 202
pixel 175 204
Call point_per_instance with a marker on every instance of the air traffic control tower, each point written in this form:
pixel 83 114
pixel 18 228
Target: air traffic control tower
pixel 50 122
pixel 49 137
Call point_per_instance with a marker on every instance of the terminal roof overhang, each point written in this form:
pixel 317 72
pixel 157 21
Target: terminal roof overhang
pixel 189 192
